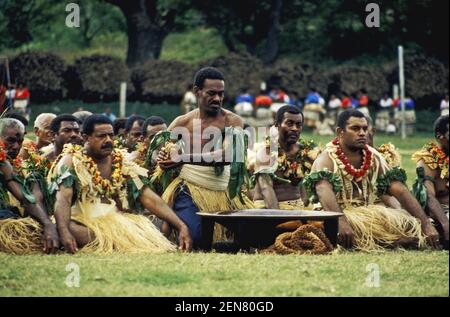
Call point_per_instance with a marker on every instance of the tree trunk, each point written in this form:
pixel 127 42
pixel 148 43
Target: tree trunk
pixel 144 40
pixel 271 51
pixel 146 29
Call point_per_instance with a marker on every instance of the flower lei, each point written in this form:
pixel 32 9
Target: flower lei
pixel 390 154
pixel 16 163
pixel 36 161
pixel 119 143
pixel 441 159
pixel 142 149
pixel 2 152
pixel 107 187
pixel 353 173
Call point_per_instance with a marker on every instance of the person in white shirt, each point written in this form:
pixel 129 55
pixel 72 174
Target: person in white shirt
pixel 333 106
pixel 383 116
pixel 386 102
pixel 444 106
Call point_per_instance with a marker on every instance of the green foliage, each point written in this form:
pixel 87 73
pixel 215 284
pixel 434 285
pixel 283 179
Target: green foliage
pixel 312 179
pixel 238 169
pixel 21 17
pixel 193 46
pixel 384 182
pixel 244 26
pixel 26 190
pixel 421 26
pixel 40 24
pixel 418 189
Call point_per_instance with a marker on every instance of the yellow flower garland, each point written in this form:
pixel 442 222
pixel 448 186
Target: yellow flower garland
pixel 105 187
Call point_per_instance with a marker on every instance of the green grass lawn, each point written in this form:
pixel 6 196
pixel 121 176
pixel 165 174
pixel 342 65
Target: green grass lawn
pixel 400 273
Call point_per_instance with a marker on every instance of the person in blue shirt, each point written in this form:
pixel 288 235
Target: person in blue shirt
pixel 312 97
pixel 355 101
pixel 409 104
pixel 108 112
pixel 245 96
pixel 295 100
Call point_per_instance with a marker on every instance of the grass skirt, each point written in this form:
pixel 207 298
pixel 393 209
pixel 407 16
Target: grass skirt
pixel 377 227
pixel 112 233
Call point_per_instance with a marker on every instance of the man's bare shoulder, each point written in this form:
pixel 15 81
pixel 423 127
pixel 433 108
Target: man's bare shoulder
pixel 233 119
pixel 66 160
pixel 183 120
pixel 427 170
pixel 323 161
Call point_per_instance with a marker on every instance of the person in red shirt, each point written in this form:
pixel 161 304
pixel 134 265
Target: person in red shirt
pixel 21 100
pixel 263 100
pixel 22 92
pixel 346 101
pixel 363 99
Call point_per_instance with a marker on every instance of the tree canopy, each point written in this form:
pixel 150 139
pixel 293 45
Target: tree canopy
pixel 329 29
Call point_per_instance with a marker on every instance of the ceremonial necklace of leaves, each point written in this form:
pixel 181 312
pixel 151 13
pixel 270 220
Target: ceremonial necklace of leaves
pixel 293 168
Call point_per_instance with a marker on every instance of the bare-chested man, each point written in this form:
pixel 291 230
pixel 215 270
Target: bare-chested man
pixel 431 187
pixel 97 189
pixel 349 177
pixel 205 174
pixel 281 188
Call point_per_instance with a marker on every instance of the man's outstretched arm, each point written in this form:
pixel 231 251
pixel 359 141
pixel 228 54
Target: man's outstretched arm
pixel 327 198
pixel 434 207
pixel 265 184
pixel 63 206
pixel 410 204
pixel 159 208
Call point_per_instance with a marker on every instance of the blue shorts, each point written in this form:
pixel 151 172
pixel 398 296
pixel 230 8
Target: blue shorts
pixel 7 214
pixel 186 210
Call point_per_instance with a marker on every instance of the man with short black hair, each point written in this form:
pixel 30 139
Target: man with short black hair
pixel 119 127
pixel 277 183
pixel 203 183
pixel 134 132
pixel 350 176
pixel 152 126
pixel 65 129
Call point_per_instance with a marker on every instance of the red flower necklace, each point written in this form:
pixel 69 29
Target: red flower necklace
pixel 355 173
pixel 2 152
